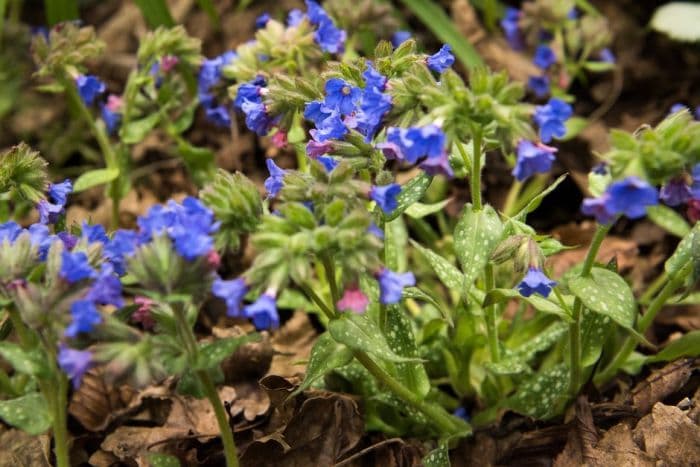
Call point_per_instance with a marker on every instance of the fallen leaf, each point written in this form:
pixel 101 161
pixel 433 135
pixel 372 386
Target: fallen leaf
pixel 292 344
pixel 582 437
pixel 618 448
pixel 669 435
pixel 660 384
pixel 251 401
pixel 20 449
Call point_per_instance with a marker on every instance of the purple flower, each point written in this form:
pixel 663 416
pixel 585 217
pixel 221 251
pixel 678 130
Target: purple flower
pixel 675 192
pixel 511 30
pixel 438 166
pixel 544 57
pixel 551 119
pixel 295 17
pixel 69 240
pixel 535 281
pixel 85 317
pixel 89 87
pixel 107 288
pixel 49 212
pixel 597 207
pixel 263 312
pixel 58 192
pixel 341 95
pixel 94 233
pixel 376 231
pixel 316 149
pixel 677 107
pixel 329 163
pixel 256 117
pixel 416 142
pixel 275 182
pixel 74 363
pixel 539 85
pixel 75 266
pixel 532 158
pixel 631 196
pixel 391 285
pixel 606 55
pixel 695 187
pixel 219 115
pixel 9 231
pixel 231 292
pixel 261 21
pixel 441 60
pixel 111 119
pixel 385 196
pixel 399 37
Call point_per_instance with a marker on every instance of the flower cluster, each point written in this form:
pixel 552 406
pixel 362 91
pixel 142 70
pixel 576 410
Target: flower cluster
pixel 90 88
pixel 209 79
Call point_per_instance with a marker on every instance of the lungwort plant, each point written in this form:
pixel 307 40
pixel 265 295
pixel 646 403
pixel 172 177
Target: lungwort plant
pixel 412 302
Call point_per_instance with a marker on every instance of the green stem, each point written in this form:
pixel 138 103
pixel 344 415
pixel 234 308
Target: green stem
pixel 309 291
pixel 491 318
pixel 676 281
pixel 512 198
pixel 221 418
pixel 59 425
pixel 329 268
pixel 442 420
pixel 653 288
pixel 98 131
pixel 22 332
pixel 575 326
pixel 476 170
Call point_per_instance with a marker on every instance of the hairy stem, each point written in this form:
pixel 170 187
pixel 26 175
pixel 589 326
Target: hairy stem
pixel 476 170
pixel 575 326
pixel 221 418
pixel 490 316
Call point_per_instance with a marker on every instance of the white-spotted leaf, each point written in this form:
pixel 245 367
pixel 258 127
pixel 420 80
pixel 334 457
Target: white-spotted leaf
pixel 29 413
pixel 326 356
pixel 537 302
pixel 399 336
pixel 606 293
pixel 418 210
pixel 446 272
pixel 668 219
pixel 543 395
pixel 437 458
pixel 476 235
pixel 410 193
pixel 683 253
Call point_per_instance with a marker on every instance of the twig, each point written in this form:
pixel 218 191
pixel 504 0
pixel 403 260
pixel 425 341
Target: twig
pixel 357 455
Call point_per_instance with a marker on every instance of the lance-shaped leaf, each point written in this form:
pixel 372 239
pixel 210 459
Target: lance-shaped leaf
pixel 606 293
pixel 399 336
pixel 437 458
pixel 30 362
pixel 543 395
pixel 683 253
pixel 94 178
pixel 359 333
pixel 29 413
pixel 446 272
pixel 668 219
pixel 410 193
pixel 326 355
pixel 476 235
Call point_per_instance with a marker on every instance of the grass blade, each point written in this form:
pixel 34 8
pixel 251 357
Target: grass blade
pixel 435 19
pixel 60 10
pixel 155 12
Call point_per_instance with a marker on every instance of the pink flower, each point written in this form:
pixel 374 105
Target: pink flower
pixel 168 62
pixel 279 139
pixel 214 259
pixel 143 312
pixel 353 299
pixel 114 103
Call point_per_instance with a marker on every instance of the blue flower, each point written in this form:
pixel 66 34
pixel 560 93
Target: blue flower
pixel 89 87
pixel 329 163
pixel 85 317
pixel 341 95
pixel 539 85
pixel 385 196
pixel 391 285
pixel 41 238
pixel 374 79
pixel 210 74
pixel 462 413
pixel 275 182
pixel 695 187
pixel 630 197
pixel 399 37
pixel 535 281
pixel 675 192
pixel 219 115
pixel 551 119
pixel 333 127
pixel 606 55
pixel 191 243
pixel 677 107
pixel 375 230
pixel 107 288
pixel 111 119
pixel 263 312
pixel 9 231
pixel 438 166
pixel 49 212
pixel 511 30
pixel 441 60
pixel 295 17
pixel 251 91
pixel 597 207
pixel 261 21
pixel 75 266
pixel 327 36
pixel 417 142
pixel 58 192
pixel 94 233
pixel 317 112
pixel 74 363
pixel 231 292
pixel 69 240
pixel 544 57
pixel 122 244
pixel 532 158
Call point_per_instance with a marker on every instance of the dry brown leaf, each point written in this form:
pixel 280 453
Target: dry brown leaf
pixel 251 361
pixel 250 400
pixel 660 384
pixel 582 437
pixel 17 448
pixel 617 448
pixel 292 344
pixel 668 435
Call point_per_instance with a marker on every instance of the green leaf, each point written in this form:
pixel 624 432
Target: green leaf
pixel 542 341
pixel 574 126
pixel 606 293
pixel 162 460
pixel 399 336
pixel 668 219
pixel 594 328
pixel 678 20
pixel 509 366
pixel 94 178
pixel 190 385
pixel 539 303
pixel 683 253
pixel 437 458
pixel 58 11
pixel 435 19
pixel 476 235
pixel 535 202
pixel 688 345
pixel 410 193
pixel 135 131
pixel 446 272
pixel 418 210
pixel 598 67
pixel 211 354
pixel 543 395
pixel 359 333
pixel 199 162
pixel 395 243
pixel 29 413
pixel 30 362
pixel 418 294
pixel 155 12
pixel 326 355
